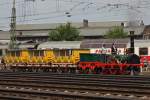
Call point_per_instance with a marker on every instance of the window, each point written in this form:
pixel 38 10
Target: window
pixel 31 53
pixel 56 53
pixel 1 52
pixel 8 53
pixel 143 51
pixel 62 52
pixel 17 53
pixel 68 52
pixel 36 53
pixel 13 53
pixel 41 52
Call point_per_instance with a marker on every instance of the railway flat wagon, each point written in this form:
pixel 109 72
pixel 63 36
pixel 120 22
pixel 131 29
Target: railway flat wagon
pixel 43 60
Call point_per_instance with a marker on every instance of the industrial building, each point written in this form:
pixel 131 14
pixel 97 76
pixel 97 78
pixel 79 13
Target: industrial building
pixel 88 30
pixel 28 35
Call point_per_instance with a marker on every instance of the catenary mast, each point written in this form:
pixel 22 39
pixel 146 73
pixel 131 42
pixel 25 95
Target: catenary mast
pixel 13 27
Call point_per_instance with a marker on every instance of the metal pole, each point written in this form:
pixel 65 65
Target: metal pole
pixel 13 27
pixel 132 41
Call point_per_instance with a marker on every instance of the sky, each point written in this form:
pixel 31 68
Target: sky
pixel 59 11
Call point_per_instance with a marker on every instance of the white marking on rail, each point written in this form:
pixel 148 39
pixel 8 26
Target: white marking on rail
pixel 75 92
pixel 54 90
pixel 97 93
pixel 144 97
pixel 107 94
pixel 29 88
pixel 39 89
pixel 47 90
pixel 13 87
pixel 65 91
pixel 85 93
pixel 22 88
pixel 119 95
pixel 131 96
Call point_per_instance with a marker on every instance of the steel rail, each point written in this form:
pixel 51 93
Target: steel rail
pixel 138 89
pixel 82 78
pixel 97 80
pixel 69 74
pixel 77 75
pixel 77 87
pixel 50 93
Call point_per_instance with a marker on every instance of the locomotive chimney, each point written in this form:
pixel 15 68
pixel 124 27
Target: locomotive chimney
pixel 132 41
pixel 85 23
pixel 122 24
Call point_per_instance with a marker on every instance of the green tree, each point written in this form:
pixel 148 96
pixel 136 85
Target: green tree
pixel 64 33
pixel 116 32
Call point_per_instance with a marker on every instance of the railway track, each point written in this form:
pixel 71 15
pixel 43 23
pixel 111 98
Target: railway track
pixel 73 87
pixel 46 75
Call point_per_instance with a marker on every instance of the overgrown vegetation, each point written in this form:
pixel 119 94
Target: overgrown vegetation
pixel 64 33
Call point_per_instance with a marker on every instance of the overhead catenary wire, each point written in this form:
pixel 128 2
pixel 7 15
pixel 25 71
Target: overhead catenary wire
pixel 52 12
pixel 72 10
pixel 63 15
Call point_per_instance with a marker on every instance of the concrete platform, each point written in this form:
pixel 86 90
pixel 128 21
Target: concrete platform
pixel 146 71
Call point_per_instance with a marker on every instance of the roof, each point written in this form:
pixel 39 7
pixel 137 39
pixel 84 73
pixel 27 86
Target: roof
pixel 48 26
pixel 4 35
pixel 3 46
pixel 25 46
pixel 147 29
pixel 141 43
pixel 138 29
pixel 60 45
pixel 93 29
pixel 43 26
pixel 84 31
pixel 32 33
pixel 102 31
pixel 3 42
pixel 98 43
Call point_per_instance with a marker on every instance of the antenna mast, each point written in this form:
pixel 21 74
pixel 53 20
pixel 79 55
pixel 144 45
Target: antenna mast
pixel 13 27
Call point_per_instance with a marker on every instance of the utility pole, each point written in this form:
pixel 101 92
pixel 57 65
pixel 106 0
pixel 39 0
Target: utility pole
pixel 13 27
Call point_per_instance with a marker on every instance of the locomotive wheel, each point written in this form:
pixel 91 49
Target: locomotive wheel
pixel 54 70
pixel 72 70
pixel 63 70
pixel 80 70
pixel 37 70
pixel 23 69
pixel 13 69
pixel 132 70
pixel 136 70
pixel 106 70
pixel 115 70
pixel 98 70
pixel 45 69
pixel 87 71
pixel 128 70
pixel 30 69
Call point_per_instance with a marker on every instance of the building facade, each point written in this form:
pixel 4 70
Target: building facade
pixel 88 30
pixel 28 35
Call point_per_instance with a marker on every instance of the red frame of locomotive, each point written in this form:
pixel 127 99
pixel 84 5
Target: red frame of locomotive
pixel 93 65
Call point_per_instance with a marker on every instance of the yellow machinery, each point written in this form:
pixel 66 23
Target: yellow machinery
pixel 43 58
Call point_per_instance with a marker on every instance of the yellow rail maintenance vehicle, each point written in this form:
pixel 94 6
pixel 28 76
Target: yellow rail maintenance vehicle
pixel 63 60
